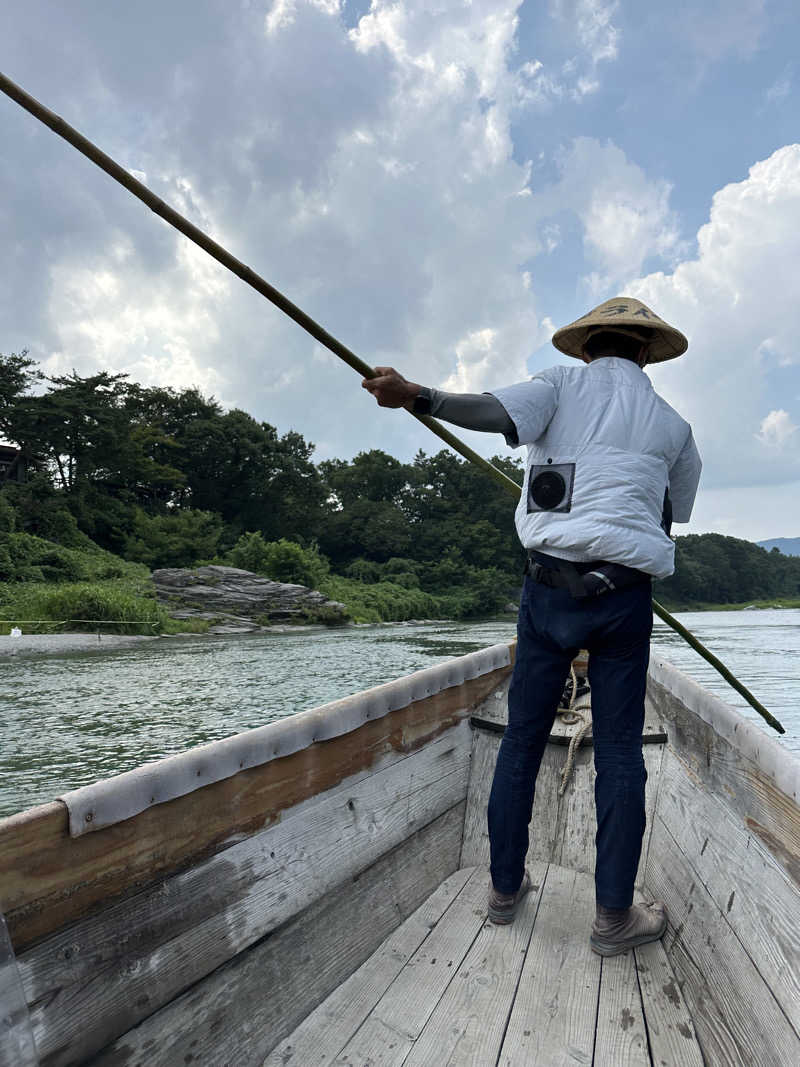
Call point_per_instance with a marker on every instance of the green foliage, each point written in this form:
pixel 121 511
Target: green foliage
pixel 166 478
pixel 250 553
pixel 381 601
pixel 41 510
pixel 26 558
pixel 112 607
pixel 178 539
pixel 282 561
pixel 8 516
pixel 364 570
pixel 714 569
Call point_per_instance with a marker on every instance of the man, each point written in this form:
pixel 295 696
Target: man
pixel 610 465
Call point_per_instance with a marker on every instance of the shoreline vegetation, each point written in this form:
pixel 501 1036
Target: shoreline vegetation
pixel 111 481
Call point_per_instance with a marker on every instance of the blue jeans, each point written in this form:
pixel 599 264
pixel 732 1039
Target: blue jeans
pixel 552 627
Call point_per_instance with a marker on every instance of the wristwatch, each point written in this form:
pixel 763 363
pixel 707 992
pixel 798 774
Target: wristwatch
pixel 422 402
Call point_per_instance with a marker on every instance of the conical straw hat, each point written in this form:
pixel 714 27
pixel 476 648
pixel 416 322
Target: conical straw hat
pixel 625 314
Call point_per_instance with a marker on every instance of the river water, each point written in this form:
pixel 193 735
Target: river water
pixel 73 718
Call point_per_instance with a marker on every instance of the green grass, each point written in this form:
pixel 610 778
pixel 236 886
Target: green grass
pixel 122 606
pixel 381 601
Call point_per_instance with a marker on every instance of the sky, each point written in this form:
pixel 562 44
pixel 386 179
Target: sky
pixel 441 184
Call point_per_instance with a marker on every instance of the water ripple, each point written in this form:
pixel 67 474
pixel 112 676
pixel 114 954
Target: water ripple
pixel 74 718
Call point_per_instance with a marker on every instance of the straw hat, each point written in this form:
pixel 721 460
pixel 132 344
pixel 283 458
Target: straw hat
pixel 623 314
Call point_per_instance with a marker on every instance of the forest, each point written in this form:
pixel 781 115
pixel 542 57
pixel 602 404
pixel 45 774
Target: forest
pixel 119 476
pixel 122 479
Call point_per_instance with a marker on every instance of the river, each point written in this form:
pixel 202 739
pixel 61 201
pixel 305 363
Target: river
pixel 70 719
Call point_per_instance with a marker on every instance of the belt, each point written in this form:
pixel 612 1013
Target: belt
pixel 585 579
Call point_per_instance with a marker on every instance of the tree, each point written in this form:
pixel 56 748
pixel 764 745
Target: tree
pixel 17 374
pixel 179 539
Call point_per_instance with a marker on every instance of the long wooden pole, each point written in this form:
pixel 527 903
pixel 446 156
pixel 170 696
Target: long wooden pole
pixel 255 281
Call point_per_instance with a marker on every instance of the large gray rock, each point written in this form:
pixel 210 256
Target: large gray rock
pixel 240 601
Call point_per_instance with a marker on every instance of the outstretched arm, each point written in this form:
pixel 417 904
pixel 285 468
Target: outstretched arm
pixel 473 411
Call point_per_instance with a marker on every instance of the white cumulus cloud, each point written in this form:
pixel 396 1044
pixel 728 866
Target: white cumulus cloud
pixel 737 302
pixel 777 429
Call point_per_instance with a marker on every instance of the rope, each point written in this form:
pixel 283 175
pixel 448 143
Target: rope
pixel 569 716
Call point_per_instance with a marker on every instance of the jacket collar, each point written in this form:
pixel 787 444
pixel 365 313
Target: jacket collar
pixel 618 365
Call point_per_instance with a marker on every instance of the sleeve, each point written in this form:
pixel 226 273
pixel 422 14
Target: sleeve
pixel 530 406
pixel 473 411
pixel 684 477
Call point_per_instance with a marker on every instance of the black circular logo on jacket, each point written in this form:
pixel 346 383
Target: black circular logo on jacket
pixel 547 490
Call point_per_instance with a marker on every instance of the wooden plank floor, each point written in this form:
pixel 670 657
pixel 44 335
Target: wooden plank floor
pixel 449 988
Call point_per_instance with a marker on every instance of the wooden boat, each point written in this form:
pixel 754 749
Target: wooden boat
pixel 313 892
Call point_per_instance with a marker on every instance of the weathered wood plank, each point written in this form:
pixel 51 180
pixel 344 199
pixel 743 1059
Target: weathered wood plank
pixel 670 1030
pixel 48 879
pixel 576 827
pixel 468 1023
pixel 562 829
pixel 238 1014
pixel 494 707
pixel 576 824
pixel 396 1021
pixel 542 830
pixel 553 1018
pixel 717 1043
pixel 768 812
pixel 621 1037
pixel 752 892
pixel 747 1015
pixel 327 1029
pixel 93 981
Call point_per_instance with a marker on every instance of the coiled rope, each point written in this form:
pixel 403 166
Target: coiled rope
pixel 569 716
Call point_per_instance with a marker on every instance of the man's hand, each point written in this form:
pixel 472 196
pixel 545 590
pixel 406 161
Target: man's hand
pixel 391 389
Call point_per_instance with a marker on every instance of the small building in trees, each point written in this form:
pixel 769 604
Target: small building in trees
pixel 12 465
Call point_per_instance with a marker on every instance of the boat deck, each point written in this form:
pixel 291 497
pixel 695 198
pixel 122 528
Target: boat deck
pixel 448 987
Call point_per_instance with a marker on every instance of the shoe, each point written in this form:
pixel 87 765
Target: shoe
pixel 616 930
pixel 503 906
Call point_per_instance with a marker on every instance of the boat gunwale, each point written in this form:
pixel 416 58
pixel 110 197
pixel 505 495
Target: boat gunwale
pixel 749 738
pixel 113 800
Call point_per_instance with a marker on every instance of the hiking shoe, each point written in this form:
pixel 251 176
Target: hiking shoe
pixel 616 930
pixel 503 906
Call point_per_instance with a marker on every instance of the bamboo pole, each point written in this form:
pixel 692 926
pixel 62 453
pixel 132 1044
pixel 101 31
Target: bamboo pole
pixel 255 281
pixel 718 665
pixel 241 270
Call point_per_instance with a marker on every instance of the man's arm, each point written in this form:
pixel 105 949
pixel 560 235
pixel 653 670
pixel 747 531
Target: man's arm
pixel 684 477
pixel 473 411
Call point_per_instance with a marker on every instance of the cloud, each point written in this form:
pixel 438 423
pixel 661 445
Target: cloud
pixel 591 26
pixel 780 88
pixel 587 26
pixel 737 303
pixel 369 174
pixel 716 29
pixel 626 217
pixel 777 429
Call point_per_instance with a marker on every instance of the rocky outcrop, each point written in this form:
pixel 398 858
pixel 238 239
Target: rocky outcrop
pixel 238 601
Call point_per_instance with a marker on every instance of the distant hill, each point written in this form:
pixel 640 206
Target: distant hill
pixel 789 546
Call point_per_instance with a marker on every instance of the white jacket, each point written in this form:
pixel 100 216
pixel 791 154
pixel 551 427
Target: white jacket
pixel 627 446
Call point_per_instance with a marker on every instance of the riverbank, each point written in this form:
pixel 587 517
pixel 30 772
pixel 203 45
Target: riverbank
pixel 744 605
pixel 43 644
